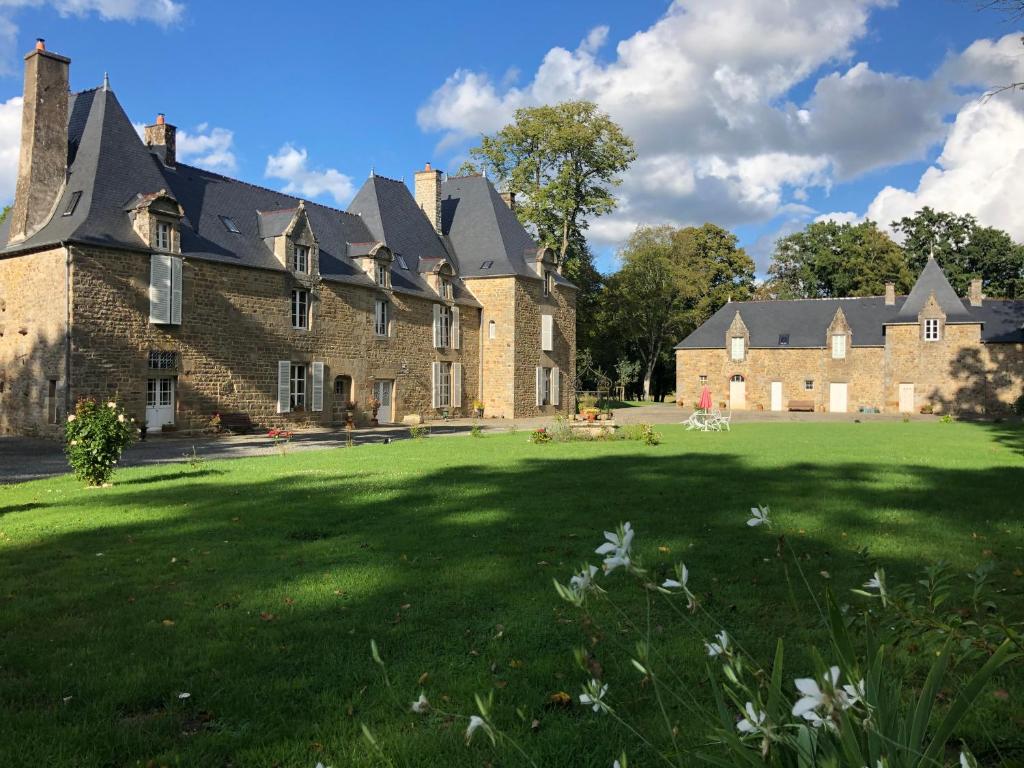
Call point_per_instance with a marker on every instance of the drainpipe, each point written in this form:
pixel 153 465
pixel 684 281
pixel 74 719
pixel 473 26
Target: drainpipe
pixel 67 329
pixel 480 358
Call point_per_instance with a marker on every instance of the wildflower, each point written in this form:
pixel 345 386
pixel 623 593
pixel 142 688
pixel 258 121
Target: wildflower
pixel 617 548
pixel 421 706
pixel 593 696
pixel 111 404
pixel 759 516
pixel 681 582
pixel 583 580
pixel 721 648
pixel 967 760
pixel 120 417
pixel 184 695
pixel 475 723
pixel 819 705
pixel 753 721
pixel 72 417
pixel 853 693
pixel 877 581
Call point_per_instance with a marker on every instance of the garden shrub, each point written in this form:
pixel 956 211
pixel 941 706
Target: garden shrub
pixel 1018 405
pixel 419 431
pixel 95 436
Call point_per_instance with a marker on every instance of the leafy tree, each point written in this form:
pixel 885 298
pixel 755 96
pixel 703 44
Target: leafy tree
pixel 626 371
pixel 829 259
pixel 3 214
pixel 965 250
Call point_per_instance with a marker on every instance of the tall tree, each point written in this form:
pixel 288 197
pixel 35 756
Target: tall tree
pixel 828 259
pixel 965 250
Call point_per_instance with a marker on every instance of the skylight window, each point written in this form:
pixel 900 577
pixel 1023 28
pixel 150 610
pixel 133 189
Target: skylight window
pixel 783 339
pixel 487 265
pixel 401 261
pixel 230 225
pixel 72 203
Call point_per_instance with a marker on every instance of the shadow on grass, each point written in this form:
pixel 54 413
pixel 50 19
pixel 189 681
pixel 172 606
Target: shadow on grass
pixel 171 475
pixel 21 507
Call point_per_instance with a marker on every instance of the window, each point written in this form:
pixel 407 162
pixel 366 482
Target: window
pixel 164 289
pixel 446 385
pixel 702 380
pixel 380 315
pixel 547 333
pixel 343 388
pixel 737 348
pixel 301 259
pixel 838 346
pixel 162 361
pixel 72 203
pixel 545 388
pixel 548 282
pixel 159 392
pixel 445 321
pixel 444 288
pixel 783 339
pixel 163 236
pixel 229 224
pixel 444 390
pixel 931 329
pixel 383 275
pixel 486 264
pixel 300 309
pixel 808 384
pixel 492 330
pixel 297 390
pixel 51 402
pixel 401 261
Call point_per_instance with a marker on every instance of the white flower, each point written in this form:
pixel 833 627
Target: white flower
pixel 72 417
pixel 120 417
pixel 877 581
pixel 681 581
pixel 583 580
pixel 721 648
pixel 817 704
pixel 476 722
pixel 759 517
pixel 111 404
pixel 421 705
pixel 753 721
pixel 617 548
pixel 852 694
pixel 967 760
pixel 184 695
pixel 593 696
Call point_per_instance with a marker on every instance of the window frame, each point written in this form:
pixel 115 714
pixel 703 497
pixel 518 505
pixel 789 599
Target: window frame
pixel 702 380
pixel 545 380
pixel 303 252
pixel 492 330
pixel 839 346
pixel 162 360
pixel 381 318
pixel 548 282
pixel 808 385
pixel 163 236
pixel 444 288
pixel 297 386
pixel 742 348
pixel 382 274
pixel 300 299
pixel 444 391
pixel 932 329
pixel 444 315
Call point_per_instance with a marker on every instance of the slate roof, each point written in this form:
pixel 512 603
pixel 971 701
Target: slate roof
pixel 932 280
pixel 111 167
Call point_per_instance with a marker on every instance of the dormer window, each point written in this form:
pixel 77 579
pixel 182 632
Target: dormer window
pixel 932 329
pixel 300 262
pixel 549 282
pixel 383 275
pixel 838 346
pixel 783 339
pixel 163 236
pixel 444 288
pixel 737 348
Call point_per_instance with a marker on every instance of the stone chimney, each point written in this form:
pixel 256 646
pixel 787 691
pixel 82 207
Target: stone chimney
pixel 975 294
pixel 161 139
pixel 43 162
pixel 510 200
pixel 890 294
pixel 428 195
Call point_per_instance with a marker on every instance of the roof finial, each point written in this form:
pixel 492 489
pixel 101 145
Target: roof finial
pixel 106 82
pixel 485 173
pixel 931 252
pixel 372 174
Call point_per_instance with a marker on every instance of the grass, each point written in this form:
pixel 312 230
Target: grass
pixel 256 585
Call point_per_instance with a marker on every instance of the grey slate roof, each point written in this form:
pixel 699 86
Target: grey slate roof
pixel 932 280
pixel 1003 320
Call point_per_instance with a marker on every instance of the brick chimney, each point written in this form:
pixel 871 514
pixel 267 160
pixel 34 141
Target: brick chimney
pixel 890 294
pixel 510 200
pixel 161 139
pixel 43 162
pixel 428 195
pixel 975 294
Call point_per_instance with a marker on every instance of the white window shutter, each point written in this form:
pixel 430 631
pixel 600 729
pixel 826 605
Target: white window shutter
pixel 159 289
pixel 457 385
pixel 318 386
pixel 555 394
pixel 540 385
pixel 437 326
pixel 284 386
pixel 546 333
pixel 175 290
pixel 435 384
pixel 455 328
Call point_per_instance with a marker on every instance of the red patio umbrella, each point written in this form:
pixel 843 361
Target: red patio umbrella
pixel 705 399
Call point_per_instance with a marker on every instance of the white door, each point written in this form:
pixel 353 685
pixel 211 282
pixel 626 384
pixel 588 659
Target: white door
pixel 159 402
pixel 738 394
pixel 383 390
pixel 837 397
pixel 776 395
pixel 906 398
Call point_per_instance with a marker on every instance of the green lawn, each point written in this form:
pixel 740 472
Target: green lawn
pixel 256 585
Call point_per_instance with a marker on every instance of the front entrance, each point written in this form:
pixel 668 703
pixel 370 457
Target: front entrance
pixel 906 398
pixel 383 390
pixel 837 397
pixel 737 393
pixel 159 402
pixel 776 395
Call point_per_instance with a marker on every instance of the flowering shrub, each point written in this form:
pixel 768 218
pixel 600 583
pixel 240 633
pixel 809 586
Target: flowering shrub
pixel 281 439
pixel 95 436
pixel 419 431
pixel 540 435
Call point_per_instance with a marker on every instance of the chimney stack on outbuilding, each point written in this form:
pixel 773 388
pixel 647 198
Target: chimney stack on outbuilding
pixel 43 161
pixel 510 200
pixel 975 296
pixel 890 294
pixel 161 138
pixel 428 195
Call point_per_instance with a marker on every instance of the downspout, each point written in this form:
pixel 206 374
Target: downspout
pixel 67 329
pixel 480 357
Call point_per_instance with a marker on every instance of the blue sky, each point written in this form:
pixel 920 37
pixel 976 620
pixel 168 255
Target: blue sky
pixel 310 98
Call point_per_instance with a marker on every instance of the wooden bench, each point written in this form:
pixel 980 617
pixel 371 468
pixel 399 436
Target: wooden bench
pixel 801 405
pixel 236 423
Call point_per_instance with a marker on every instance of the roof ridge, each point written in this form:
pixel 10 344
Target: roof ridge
pixel 266 189
pixel 388 178
pixel 87 90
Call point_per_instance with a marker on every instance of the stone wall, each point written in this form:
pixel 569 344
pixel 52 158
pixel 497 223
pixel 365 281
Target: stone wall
pixel 497 295
pixel 236 326
pixel 33 324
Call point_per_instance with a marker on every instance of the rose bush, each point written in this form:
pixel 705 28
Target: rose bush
pixel 95 436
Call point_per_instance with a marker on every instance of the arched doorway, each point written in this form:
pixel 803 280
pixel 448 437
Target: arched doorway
pixel 737 393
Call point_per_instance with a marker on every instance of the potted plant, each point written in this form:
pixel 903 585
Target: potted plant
pixel 374 404
pixel 590 414
pixel 350 412
pixel 478 406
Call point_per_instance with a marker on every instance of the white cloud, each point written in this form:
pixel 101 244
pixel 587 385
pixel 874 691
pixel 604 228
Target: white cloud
pixel 291 165
pixel 210 148
pixel 705 94
pixel 10 144
pixel 841 217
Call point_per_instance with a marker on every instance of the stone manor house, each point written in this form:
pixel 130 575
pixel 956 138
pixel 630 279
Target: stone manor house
pixel 929 349
pixel 182 293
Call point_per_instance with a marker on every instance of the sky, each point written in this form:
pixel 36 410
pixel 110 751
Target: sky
pixel 758 115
